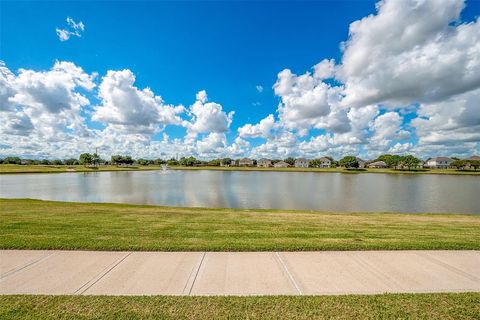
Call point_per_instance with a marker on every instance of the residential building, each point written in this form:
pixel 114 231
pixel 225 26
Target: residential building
pixel 301 163
pixel 439 163
pixel 281 164
pixel 245 162
pixel 361 163
pixel 325 162
pixel 265 163
pixel 477 158
pixel 377 164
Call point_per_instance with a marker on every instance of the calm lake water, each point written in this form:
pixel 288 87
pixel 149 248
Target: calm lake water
pixel 279 190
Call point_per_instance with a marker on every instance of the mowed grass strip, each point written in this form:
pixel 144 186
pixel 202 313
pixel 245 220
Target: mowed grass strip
pixel 13 168
pixel 36 224
pixel 388 306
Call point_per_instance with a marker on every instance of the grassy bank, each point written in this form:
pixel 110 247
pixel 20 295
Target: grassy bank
pixel 34 224
pixel 390 306
pixel 15 168
pixel 12 168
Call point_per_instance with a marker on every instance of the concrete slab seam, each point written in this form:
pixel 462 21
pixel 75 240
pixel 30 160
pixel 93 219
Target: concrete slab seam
pixel 379 275
pixel 15 271
pixel 196 274
pixel 449 267
pixel 100 275
pixel 290 276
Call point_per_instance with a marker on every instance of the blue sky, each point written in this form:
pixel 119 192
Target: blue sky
pixel 229 49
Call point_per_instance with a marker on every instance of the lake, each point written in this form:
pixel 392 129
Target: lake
pixel 269 190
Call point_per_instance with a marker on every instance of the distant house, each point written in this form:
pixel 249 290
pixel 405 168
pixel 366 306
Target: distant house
pixel 361 163
pixel 473 158
pixel 245 162
pixel 264 163
pixel 325 162
pixel 301 163
pixel 439 163
pixel 281 164
pixel 377 164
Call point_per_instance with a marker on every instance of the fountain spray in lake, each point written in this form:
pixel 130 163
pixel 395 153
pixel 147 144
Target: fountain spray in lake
pixel 164 168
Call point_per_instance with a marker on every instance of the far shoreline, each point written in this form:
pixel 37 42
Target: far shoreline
pixel 25 169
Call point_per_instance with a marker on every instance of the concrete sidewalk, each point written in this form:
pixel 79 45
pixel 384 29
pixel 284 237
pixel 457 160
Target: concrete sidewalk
pixel 237 273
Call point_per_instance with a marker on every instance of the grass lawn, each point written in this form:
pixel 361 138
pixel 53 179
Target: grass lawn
pixel 389 306
pixel 15 168
pixel 35 224
pixel 12 168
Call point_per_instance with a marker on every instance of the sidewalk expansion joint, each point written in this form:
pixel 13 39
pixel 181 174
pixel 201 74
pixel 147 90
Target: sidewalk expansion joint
pixel 196 274
pixel 25 267
pixel 290 275
pixel 102 274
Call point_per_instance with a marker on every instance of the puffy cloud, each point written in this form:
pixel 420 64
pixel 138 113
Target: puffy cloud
pixel 73 29
pixel 410 51
pixel 451 121
pixel 126 108
pixel 239 148
pixel 305 99
pixel 412 58
pixel 46 103
pixel 281 145
pixel 212 144
pixel 386 128
pixel 262 129
pixel 359 119
pixel 207 117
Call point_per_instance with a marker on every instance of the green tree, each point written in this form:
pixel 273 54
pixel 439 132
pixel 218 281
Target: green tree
pixel 290 161
pixel 57 162
pixel 349 162
pixel 159 161
pixel 172 162
pixel 226 161
pixel 314 163
pixel 85 159
pixel 12 160
pixel 143 162
pixel 70 162
pixel 95 159
pixel 475 164
pixel 409 161
pixel 459 164
pixel 214 162
pixel 188 162
pixel 390 160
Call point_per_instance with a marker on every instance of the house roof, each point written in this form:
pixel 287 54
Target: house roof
pixel 282 162
pixel 358 159
pixel 263 160
pixel 324 159
pixel 473 158
pixel 246 159
pixel 378 163
pixel 301 159
pixel 441 159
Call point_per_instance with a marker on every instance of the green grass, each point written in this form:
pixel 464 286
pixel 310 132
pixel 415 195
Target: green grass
pixel 388 306
pixel 12 168
pixel 35 224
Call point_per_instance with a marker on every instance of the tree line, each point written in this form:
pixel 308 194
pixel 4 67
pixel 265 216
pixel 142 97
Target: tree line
pixel 91 159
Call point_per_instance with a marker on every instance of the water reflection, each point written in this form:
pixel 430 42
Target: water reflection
pixel 279 190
